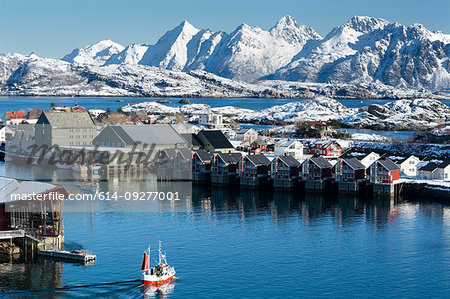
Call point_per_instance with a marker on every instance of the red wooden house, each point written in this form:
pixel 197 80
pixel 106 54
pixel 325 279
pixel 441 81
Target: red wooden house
pixel 254 166
pixel 349 170
pixel 316 168
pixel 224 167
pixel 383 171
pixel 201 165
pixel 326 148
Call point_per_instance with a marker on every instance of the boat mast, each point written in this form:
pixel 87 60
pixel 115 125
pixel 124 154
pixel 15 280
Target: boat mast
pixel 149 255
pixel 159 251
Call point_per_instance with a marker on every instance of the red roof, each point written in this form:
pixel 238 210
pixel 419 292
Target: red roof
pixel 16 115
pixel 317 123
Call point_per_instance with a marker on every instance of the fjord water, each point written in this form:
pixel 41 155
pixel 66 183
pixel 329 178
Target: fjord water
pixel 236 243
pixel 250 244
pixel 25 103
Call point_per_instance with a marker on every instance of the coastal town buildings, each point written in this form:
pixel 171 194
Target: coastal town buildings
pixel 209 119
pixel 201 165
pixel 253 170
pixel 326 148
pixel 408 165
pixel 384 171
pixel 349 170
pixel 292 148
pixel 285 170
pixel 65 129
pixel 215 141
pixel 224 168
pixel 249 135
pixel 12 117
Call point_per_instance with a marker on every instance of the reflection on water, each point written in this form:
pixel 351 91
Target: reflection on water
pixel 161 291
pixel 226 242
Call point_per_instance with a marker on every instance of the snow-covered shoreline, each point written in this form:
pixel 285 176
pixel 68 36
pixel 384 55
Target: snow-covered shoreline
pixel 417 114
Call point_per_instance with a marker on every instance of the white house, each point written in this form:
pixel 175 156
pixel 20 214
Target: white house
pixel 443 171
pixel 408 166
pixel 364 158
pixel 289 148
pixel 209 119
pixel 96 112
pixel 428 171
pixel 247 135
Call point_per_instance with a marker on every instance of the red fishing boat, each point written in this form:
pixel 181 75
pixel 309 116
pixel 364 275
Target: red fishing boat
pixel 159 273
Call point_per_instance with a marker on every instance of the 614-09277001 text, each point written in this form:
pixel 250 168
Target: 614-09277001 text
pixel 128 196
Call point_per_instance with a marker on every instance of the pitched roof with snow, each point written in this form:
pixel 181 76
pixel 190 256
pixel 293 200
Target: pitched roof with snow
pixel 444 164
pixel 11 187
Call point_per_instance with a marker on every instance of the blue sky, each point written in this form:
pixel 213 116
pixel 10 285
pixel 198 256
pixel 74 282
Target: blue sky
pixel 53 28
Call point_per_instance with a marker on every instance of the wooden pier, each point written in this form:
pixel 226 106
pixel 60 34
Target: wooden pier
pixel 84 257
pixel 11 234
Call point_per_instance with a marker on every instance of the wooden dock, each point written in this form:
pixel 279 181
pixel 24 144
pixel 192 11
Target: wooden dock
pixel 11 234
pixel 84 257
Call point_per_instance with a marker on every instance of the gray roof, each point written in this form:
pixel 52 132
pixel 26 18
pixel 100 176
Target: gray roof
pixel 168 152
pixel 321 162
pixel 354 163
pixel 445 163
pixel 258 160
pixel 204 155
pixel 216 138
pixel 148 134
pixel 388 164
pixel 429 167
pixel 243 130
pixel 185 153
pixel 10 187
pixel 192 139
pixel 289 161
pixel 231 158
pixel 67 119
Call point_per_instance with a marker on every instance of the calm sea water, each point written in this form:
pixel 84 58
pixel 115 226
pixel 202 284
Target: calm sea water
pixel 240 244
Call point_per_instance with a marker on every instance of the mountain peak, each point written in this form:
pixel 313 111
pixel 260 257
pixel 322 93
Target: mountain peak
pixel 366 24
pixel 94 54
pixel 186 26
pixel 288 29
pixel 286 21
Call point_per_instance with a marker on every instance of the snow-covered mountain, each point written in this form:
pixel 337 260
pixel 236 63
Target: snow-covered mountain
pixel 366 50
pixel 251 52
pixel 98 53
pixel 132 54
pixel 171 50
pixel 245 54
pixel 364 58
